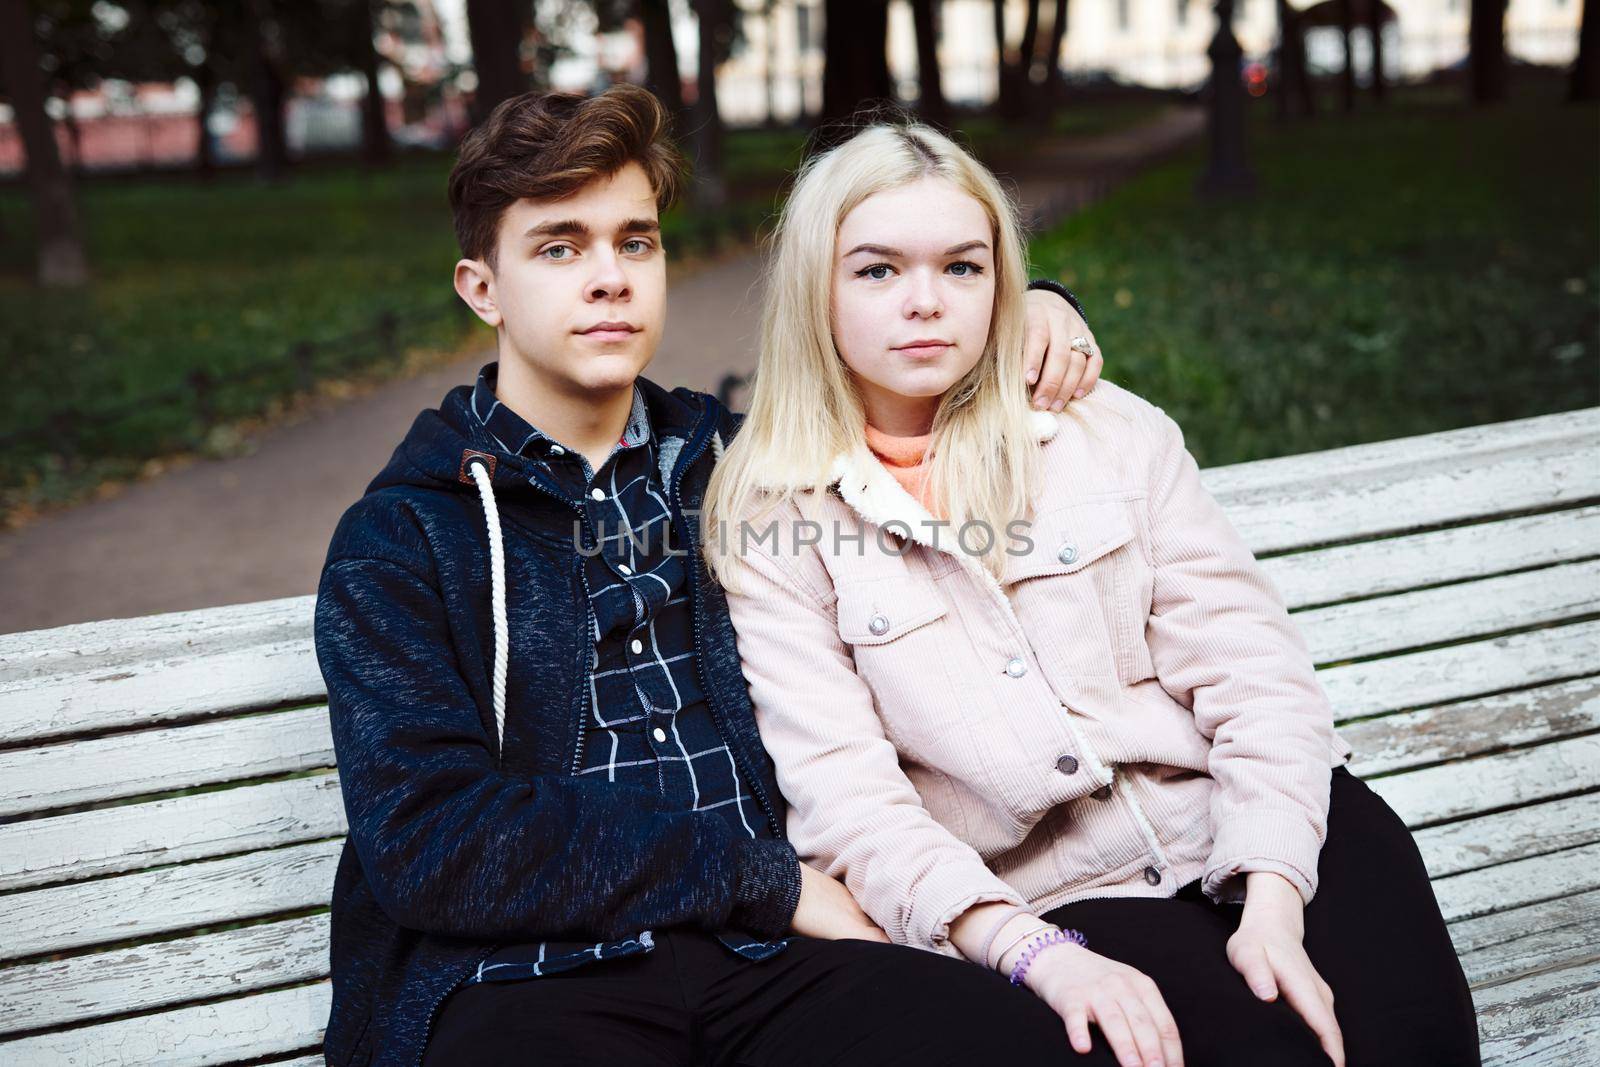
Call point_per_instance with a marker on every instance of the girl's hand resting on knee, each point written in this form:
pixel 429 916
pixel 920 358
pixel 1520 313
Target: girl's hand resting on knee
pixel 828 910
pixel 1085 987
pixel 1269 950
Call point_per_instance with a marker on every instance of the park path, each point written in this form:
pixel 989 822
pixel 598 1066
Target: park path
pixel 256 527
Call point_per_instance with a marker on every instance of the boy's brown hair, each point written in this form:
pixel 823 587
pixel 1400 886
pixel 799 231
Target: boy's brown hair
pixel 546 146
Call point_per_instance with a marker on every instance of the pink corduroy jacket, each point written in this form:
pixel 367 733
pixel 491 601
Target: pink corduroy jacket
pixel 1130 709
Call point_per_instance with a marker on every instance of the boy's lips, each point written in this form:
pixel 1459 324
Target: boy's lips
pixel 610 331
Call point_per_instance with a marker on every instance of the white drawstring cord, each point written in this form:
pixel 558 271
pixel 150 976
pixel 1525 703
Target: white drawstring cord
pixel 716 447
pixel 497 595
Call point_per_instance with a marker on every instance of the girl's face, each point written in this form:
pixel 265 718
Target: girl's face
pixel 912 298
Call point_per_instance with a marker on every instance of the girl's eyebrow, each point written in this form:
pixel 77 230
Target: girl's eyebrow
pixel 883 250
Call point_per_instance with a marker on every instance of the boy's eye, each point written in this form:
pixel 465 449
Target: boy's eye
pixel 634 246
pixel 556 252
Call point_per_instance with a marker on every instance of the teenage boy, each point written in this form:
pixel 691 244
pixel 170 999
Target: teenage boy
pixel 565 840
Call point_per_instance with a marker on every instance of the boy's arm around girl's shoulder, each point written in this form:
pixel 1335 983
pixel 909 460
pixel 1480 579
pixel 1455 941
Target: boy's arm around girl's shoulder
pixel 451 844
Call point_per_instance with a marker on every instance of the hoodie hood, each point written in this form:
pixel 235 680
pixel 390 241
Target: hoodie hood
pixel 448 448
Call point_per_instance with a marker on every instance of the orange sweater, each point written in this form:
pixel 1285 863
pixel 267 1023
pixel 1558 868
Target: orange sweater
pixel 906 459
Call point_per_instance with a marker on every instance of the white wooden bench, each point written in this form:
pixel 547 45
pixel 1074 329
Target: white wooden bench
pixel 1449 586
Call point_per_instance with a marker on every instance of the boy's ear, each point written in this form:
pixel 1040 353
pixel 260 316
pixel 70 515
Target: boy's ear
pixel 475 285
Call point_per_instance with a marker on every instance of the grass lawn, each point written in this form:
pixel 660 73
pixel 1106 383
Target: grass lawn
pixel 1403 270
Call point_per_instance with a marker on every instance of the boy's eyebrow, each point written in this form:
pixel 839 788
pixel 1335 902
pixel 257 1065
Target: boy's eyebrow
pixel 883 250
pixel 579 228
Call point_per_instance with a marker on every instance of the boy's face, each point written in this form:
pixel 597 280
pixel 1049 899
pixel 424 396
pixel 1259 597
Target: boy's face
pixel 578 293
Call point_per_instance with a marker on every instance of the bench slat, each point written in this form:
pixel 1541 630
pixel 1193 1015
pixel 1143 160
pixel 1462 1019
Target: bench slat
pixel 1508 944
pixel 1549 1017
pixel 1505 836
pixel 1434 675
pixel 1372 568
pixel 153 761
pixel 1522 776
pixel 1411 483
pixel 1513 885
pixel 1451 612
pixel 168 899
pixel 1470 727
pixel 201 826
pixel 97 676
pixel 148 977
pixel 264 1024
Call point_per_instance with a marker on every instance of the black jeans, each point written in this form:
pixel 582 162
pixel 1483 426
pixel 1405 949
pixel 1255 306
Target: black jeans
pixel 690 1001
pixel 1373 932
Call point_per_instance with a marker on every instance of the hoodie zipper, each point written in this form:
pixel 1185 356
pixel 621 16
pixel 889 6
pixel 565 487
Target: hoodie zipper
pixel 433 1009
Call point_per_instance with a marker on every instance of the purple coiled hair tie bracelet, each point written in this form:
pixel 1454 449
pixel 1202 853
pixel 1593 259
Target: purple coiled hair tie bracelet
pixel 1038 945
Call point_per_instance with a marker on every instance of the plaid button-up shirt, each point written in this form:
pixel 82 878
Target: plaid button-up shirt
pixel 648 723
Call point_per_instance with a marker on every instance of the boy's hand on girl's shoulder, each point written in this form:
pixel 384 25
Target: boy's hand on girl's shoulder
pixel 1058 372
pixel 828 910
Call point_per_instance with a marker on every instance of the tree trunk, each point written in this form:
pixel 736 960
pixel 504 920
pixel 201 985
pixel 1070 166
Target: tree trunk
pixel 855 65
pixel 61 257
pixel 931 102
pixel 661 74
pixel 1486 51
pixel 1294 82
pixel 1375 32
pixel 1585 84
pixel 496 28
pixel 1347 77
pixel 1052 70
pixel 710 188
pixel 268 97
pixel 205 146
pixel 375 144
pixel 1009 98
pixel 1227 172
pixel 1030 43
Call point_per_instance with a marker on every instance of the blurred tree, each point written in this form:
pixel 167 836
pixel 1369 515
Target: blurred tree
pixel 1375 13
pixel 661 76
pixel 497 28
pixel 61 258
pixel 1347 75
pixel 1053 83
pixel 269 95
pixel 1007 66
pixel 1228 171
pixel 1294 82
pixel 714 21
pixel 1585 84
pixel 1486 51
pixel 856 64
pixel 930 87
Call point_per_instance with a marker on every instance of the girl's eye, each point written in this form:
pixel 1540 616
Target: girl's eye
pixel 965 269
pixel 873 272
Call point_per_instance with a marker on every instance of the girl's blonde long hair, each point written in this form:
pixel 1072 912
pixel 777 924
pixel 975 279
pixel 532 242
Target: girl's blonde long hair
pixel 804 407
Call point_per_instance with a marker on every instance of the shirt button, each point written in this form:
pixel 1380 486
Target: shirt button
pixel 624 569
pixel 1067 765
pixel 661 735
pixel 878 625
pixel 1016 668
pixel 1152 876
pixel 597 493
pixel 1103 793
pixel 636 647
pixel 1068 553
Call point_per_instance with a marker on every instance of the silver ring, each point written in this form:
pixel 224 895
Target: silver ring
pixel 1083 344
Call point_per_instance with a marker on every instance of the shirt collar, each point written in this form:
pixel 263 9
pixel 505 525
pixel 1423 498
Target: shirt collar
pixel 516 435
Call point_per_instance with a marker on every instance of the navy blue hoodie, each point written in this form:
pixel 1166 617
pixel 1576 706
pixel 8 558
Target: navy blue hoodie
pixel 459 843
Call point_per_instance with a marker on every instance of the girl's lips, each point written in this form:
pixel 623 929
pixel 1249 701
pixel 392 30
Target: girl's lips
pixel 924 351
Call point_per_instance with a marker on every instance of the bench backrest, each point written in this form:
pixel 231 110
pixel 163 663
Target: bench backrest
pixel 170 815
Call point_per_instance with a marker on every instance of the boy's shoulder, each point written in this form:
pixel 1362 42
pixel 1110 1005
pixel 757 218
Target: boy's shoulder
pixel 392 523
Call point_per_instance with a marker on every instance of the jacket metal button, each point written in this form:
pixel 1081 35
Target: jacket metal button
pixel 1016 668
pixel 1103 793
pixel 1152 876
pixel 878 625
pixel 1068 553
pixel 1067 765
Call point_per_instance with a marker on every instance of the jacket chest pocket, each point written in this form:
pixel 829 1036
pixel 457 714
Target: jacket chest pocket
pixel 903 654
pixel 1086 580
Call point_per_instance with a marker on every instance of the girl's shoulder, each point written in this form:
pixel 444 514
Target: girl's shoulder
pixel 1103 442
